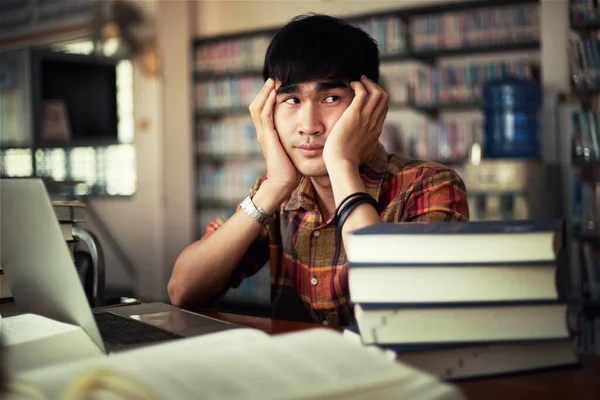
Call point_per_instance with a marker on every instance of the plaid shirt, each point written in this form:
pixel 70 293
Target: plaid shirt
pixel 309 272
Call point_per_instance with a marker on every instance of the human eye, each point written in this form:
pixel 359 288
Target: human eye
pixel 331 99
pixel 292 100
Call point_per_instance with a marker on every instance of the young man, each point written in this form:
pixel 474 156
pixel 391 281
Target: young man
pixel 318 119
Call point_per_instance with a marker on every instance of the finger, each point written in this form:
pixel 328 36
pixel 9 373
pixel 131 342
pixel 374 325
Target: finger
pixel 360 95
pixel 380 121
pixel 376 100
pixel 259 101
pixel 266 115
pixel 381 109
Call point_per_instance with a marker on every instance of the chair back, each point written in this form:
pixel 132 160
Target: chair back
pixel 89 259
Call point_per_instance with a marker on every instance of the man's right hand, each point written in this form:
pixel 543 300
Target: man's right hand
pixel 282 175
pixel 204 268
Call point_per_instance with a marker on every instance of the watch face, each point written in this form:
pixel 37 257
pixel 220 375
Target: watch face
pixel 257 214
pixel 250 209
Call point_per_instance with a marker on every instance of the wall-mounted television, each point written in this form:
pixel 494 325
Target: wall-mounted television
pixel 82 89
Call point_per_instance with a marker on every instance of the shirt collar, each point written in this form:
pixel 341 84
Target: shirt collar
pixel 371 174
pixel 303 196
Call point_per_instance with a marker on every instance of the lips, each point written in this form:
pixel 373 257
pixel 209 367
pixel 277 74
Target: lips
pixel 310 150
pixel 310 147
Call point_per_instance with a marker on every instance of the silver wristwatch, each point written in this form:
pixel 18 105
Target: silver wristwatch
pixel 257 214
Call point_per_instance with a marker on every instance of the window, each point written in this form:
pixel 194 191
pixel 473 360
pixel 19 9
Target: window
pixel 109 170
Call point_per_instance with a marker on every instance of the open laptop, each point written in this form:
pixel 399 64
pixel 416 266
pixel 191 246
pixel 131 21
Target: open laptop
pixel 44 281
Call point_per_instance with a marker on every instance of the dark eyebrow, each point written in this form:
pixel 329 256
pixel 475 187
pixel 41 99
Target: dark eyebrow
pixel 288 89
pixel 328 85
pixel 321 87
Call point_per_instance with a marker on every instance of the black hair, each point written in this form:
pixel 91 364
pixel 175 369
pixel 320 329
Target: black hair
pixel 317 46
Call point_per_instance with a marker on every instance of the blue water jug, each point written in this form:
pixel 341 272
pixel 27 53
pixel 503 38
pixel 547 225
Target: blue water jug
pixel 511 118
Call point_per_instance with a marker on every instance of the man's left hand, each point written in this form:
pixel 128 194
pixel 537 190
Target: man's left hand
pixel 354 136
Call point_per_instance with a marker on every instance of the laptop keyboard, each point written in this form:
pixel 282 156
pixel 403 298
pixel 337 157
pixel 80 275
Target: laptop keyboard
pixel 117 330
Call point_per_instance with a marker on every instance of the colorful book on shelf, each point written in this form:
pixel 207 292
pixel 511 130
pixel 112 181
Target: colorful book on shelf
pixel 452 242
pixel 584 60
pixel 477 27
pixel 585 11
pixel 449 362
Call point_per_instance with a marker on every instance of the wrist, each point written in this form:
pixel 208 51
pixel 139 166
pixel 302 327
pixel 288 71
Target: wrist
pixel 270 197
pixel 345 180
pixel 341 168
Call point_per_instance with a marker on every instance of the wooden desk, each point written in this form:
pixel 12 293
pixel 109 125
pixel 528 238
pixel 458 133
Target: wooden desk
pixel 568 383
pixel 272 326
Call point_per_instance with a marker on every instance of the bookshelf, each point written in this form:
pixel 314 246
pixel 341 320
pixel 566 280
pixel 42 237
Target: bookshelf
pixel 584 92
pixel 585 26
pixel 584 48
pixel 224 158
pixel 217 113
pixel 430 56
pixel 579 125
pixel 434 110
pixel 227 72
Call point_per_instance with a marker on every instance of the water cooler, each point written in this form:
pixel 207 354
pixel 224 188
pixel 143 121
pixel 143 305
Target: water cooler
pixel 510 181
pixel 505 189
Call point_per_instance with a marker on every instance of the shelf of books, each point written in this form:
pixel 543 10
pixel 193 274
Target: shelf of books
pixel 579 116
pixel 585 15
pixel 584 47
pixel 580 125
pixel 434 62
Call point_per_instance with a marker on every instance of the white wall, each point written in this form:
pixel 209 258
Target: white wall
pixel 154 225
pixel 214 17
pixel 176 27
pixel 137 223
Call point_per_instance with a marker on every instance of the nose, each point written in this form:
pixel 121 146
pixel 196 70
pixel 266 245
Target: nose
pixel 310 120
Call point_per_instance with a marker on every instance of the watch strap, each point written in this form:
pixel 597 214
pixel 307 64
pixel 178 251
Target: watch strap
pixel 256 213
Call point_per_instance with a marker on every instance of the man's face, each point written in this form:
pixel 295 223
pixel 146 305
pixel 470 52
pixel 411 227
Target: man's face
pixel 304 115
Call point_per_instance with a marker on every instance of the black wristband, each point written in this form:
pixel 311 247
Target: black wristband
pixel 343 205
pixel 351 206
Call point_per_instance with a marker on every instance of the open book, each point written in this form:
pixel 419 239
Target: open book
pixel 235 364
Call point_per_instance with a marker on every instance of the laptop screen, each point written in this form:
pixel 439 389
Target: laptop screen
pixel 36 260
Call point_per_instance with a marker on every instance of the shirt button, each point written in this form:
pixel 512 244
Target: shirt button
pixel 314 281
pixel 316 233
pixel 325 322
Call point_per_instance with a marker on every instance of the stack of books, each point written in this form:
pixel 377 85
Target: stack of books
pixel 69 213
pixel 462 299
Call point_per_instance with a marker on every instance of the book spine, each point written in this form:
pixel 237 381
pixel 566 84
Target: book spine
pixel 461 305
pixel 450 265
